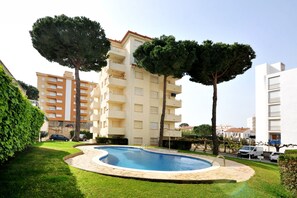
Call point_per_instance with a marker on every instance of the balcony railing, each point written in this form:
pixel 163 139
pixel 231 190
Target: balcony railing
pixel 172 133
pixel 116 82
pixel 95 105
pixel 116 114
pixel 116 53
pixel 174 88
pixel 96 92
pixel 274 142
pixel 116 98
pixel 94 129
pixel 113 130
pixel 172 118
pixel 115 66
pixel 173 103
pixel 94 117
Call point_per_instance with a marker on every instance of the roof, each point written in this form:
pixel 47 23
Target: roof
pixel 130 33
pixel 237 130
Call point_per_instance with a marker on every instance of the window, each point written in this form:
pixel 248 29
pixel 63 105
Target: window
pixel 274 96
pixel 59 108
pixel 154 79
pixel 274 125
pixel 59 94
pixel 60 80
pixel 154 110
pixel 52 108
pixel 138 108
pixel 59 101
pixel 59 87
pixel 52 115
pixel 154 141
pixel 138 91
pixel 138 140
pixel 137 124
pixel 138 75
pixel 154 94
pixel 273 83
pixel 58 115
pixel 154 125
pixel 274 110
pixel 52 94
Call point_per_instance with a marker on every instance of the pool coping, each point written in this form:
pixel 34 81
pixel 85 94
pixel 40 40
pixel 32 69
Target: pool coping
pixel 231 173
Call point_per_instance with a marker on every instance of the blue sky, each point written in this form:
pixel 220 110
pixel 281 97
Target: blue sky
pixel 269 26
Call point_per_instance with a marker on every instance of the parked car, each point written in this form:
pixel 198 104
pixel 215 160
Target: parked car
pixel 252 151
pixel 83 137
pixel 274 156
pixel 58 137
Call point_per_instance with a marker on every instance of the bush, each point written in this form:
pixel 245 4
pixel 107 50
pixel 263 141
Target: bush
pixel 118 141
pixel 288 170
pixel 20 120
pixel 178 144
pixel 87 133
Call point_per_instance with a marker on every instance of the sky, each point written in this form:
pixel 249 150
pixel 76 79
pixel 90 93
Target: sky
pixel 268 26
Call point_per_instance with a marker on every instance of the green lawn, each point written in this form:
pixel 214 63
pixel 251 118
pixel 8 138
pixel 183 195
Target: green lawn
pixel 41 172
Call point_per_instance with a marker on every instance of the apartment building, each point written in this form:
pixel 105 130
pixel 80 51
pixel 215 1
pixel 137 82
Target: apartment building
pixel 276 104
pixel 57 100
pixel 128 100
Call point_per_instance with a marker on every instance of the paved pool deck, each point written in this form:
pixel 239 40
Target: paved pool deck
pixel 231 172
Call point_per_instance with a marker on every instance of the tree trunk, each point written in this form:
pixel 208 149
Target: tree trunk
pixel 214 118
pixel 163 112
pixel 77 106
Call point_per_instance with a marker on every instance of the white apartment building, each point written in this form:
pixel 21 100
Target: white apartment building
pixel 128 100
pixel 276 104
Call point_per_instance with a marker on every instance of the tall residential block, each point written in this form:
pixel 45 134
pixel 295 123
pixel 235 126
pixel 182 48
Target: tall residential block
pixel 276 104
pixel 128 100
pixel 57 100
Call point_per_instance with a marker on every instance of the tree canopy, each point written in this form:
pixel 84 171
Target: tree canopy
pixel 77 43
pixel 31 91
pixel 167 57
pixel 216 63
pixel 203 129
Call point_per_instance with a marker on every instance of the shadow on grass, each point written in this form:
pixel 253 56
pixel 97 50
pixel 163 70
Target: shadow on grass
pixel 38 172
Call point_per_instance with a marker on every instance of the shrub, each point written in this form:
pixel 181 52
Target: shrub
pixel 288 170
pixel 87 133
pixel 20 120
pixel 105 140
pixel 178 144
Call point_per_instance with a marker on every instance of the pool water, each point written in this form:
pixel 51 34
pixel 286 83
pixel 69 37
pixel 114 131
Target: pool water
pixel 137 158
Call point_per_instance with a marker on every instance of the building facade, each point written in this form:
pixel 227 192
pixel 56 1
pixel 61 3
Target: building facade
pixel 276 104
pixel 128 100
pixel 57 100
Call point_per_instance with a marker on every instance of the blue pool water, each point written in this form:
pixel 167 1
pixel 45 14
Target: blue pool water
pixel 137 158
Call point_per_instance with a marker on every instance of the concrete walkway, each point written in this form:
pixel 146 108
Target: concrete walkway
pixel 231 172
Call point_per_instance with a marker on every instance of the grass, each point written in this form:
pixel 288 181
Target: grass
pixel 41 172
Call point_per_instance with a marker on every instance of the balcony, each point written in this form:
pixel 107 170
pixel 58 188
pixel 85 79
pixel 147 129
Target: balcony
pixel 95 105
pixel 116 98
pixel 94 117
pixel 115 66
pixel 173 103
pixel 172 133
pixel 95 93
pixel 116 53
pixel 94 129
pixel 172 118
pixel 114 114
pixel 116 82
pixel 113 131
pixel 174 88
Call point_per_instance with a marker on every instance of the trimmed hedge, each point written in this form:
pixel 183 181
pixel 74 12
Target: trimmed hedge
pixel 105 140
pixel 20 121
pixel 288 170
pixel 87 133
pixel 178 144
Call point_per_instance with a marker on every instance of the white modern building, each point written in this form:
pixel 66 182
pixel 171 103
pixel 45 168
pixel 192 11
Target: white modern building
pixel 128 100
pixel 276 104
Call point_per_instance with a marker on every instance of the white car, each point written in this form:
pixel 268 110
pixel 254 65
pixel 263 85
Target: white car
pixel 274 156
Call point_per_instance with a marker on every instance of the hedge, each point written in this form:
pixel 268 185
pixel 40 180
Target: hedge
pixel 105 140
pixel 288 170
pixel 20 121
pixel 87 133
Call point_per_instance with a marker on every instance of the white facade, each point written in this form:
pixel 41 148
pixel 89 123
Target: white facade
pixel 128 100
pixel 276 104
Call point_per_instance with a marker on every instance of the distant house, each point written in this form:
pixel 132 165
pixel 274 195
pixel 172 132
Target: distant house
pixel 238 133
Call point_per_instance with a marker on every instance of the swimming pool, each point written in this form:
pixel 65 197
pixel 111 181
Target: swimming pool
pixel 138 158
